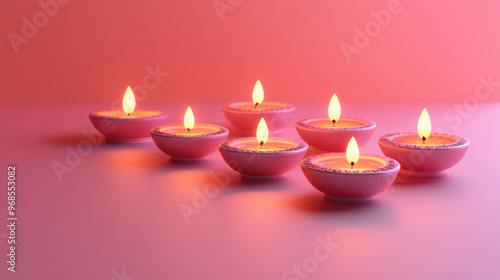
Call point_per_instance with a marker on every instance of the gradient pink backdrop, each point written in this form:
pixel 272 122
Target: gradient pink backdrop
pixel 89 51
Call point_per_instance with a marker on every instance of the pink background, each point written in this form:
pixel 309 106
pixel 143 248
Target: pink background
pixel 119 208
pixel 117 212
pixel 89 51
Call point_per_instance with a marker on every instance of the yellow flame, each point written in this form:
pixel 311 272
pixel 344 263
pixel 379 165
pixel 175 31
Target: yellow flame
pixel 258 93
pixel 189 119
pixel 128 102
pixel 424 125
pixel 352 153
pixel 334 108
pixel 262 132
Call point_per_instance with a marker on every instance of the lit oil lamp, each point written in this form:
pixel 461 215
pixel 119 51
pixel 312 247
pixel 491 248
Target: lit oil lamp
pixel 189 141
pixel 333 134
pixel 129 125
pixel 424 154
pixel 350 177
pixel 246 115
pixel 262 157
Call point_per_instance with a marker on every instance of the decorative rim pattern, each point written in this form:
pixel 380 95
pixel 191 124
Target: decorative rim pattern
pixel 305 124
pixel 157 131
pixel 227 146
pixel 388 140
pixel 99 115
pixel 310 163
pixel 231 107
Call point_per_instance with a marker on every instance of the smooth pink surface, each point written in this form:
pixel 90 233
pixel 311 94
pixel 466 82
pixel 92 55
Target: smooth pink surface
pixel 189 147
pixel 263 164
pixel 248 121
pixel 119 207
pixel 425 162
pixel 334 140
pixel 123 129
pixel 89 51
pixel 350 185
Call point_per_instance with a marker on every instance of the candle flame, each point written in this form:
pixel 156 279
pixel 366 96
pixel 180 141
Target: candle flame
pixel 424 125
pixel 262 132
pixel 128 102
pixel 334 109
pixel 352 153
pixel 189 119
pixel 258 94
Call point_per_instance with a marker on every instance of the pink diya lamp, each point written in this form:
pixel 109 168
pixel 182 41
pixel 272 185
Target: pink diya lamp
pixel 262 157
pixel 246 115
pixel 424 154
pixel 333 134
pixel 350 177
pixel 129 125
pixel 189 141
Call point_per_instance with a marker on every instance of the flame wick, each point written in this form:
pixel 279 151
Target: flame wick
pixel 423 139
pixel 261 144
pixel 256 105
pixel 128 114
pixel 189 129
pixel 333 122
pixel 352 164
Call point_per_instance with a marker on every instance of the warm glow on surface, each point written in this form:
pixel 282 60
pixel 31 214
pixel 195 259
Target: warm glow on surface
pixel 128 102
pixel 189 119
pixel 424 125
pixel 258 94
pixel 334 108
pixel 262 132
pixel 352 153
